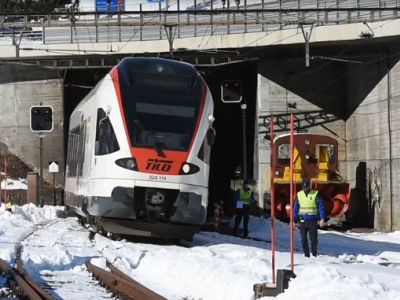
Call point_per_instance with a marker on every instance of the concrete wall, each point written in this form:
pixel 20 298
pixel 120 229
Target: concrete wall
pixel 280 84
pixel 372 92
pixel 366 99
pixel 20 88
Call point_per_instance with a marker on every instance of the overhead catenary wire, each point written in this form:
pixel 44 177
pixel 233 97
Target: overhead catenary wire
pixel 339 77
pixel 268 34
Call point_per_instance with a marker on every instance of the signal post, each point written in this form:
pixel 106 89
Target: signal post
pixel 280 279
pixel 41 121
pixel 231 92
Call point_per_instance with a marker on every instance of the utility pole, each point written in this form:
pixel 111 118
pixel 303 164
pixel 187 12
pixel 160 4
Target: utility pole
pixel 41 121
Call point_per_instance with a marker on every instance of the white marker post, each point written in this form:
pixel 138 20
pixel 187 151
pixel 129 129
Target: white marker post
pixel 53 168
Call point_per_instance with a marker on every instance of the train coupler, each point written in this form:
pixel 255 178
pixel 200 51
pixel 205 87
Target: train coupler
pixel 272 290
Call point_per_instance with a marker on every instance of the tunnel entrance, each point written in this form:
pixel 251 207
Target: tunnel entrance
pixel 227 151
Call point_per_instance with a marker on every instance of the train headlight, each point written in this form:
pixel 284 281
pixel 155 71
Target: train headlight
pixel 276 173
pixel 186 168
pixel 130 164
pixel 307 142
pixel 127 163
pixel 307 156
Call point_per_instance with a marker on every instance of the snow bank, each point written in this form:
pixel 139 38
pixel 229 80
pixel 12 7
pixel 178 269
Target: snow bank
pixel 330 242
pixel 218 267
pixel 37 215
pixel 17 225
pixel 361 282
pixel 196 273
pixel 227 268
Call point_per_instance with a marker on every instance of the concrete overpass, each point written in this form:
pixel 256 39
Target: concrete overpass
pixel 256 23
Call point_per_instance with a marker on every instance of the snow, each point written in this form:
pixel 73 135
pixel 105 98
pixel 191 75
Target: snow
pixel 14 184
pixel 353 265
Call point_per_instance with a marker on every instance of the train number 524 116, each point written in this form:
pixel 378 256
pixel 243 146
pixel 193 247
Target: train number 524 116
pixel 157 177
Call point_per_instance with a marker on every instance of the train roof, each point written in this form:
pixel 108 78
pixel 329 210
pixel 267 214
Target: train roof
pixel 126 61
pixel 300 133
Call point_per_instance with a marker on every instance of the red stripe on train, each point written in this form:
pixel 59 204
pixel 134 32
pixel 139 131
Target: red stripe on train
pixel 174 159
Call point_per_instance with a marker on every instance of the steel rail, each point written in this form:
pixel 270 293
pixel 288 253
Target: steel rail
pixel 21 283
pixel 44 295
pixel 118 282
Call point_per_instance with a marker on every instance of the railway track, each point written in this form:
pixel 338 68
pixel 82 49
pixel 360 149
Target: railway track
pixel 21 284
pixel 122 286
pixel 93 282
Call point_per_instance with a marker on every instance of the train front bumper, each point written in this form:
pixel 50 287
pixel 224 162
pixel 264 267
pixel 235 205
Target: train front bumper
pixel 189 207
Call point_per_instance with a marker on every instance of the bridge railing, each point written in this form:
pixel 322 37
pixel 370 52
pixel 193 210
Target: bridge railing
pixel 132 24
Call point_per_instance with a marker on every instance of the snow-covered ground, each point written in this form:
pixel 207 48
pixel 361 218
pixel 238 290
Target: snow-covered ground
pixel 14 184
pixel 351 266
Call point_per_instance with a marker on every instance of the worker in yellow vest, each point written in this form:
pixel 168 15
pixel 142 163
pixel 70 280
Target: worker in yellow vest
pixel 244 199
pixel 309 210
pixel 9 206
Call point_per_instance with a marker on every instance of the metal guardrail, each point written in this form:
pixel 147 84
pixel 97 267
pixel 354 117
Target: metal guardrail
pixel 193 18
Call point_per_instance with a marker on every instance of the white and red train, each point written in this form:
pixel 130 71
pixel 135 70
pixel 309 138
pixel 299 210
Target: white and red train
pixel 139 150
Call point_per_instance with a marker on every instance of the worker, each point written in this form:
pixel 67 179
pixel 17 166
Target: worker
pixel 308 210
pixel 9 206
pixel 244 199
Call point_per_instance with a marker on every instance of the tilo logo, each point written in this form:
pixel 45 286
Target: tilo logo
pixel 159 165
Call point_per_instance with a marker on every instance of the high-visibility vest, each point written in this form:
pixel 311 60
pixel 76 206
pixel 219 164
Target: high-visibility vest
pixel 308 203
pixel 245 196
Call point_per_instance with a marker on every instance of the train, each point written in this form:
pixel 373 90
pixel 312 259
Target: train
pixel 138 154
pixel 314 157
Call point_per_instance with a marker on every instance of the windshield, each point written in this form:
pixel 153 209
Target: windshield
pixel 164 98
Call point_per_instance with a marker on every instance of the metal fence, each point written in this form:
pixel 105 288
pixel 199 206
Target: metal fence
pixel 111 34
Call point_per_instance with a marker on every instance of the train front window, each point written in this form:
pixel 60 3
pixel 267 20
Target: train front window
pixel 284 154
pixel 165 104
pixel 169 126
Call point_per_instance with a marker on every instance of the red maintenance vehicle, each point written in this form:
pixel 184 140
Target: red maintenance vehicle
pixel 315 157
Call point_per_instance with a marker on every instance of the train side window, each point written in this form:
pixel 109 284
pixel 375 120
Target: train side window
pixel 72 160
pixel 284 154
pixel 82 147
pixel 331 152
pixel 106 140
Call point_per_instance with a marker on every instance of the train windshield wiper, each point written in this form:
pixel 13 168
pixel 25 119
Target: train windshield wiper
pixel 155 143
